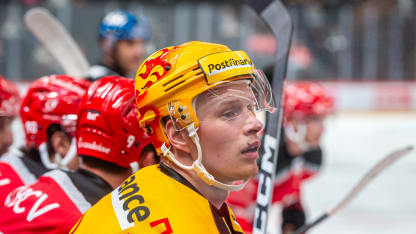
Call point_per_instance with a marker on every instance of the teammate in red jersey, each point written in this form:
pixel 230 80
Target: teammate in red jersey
pixel 48 113
pixel 305 106
pixel 108 140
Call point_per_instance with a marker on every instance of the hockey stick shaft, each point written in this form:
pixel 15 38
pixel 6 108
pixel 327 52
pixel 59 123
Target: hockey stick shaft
pixel 368 177
pixel 53 35
pixel 277 18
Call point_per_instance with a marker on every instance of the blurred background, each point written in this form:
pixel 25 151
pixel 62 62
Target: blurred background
pixel 362 51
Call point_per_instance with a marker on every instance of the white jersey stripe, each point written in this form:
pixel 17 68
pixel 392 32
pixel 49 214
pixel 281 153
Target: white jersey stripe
pixel 20 168
pixel 70 189
pixel 120 212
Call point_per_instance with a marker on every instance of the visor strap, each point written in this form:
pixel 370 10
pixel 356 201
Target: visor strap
pixel 299 136
pixel 72 152
pixel 44 157
pixel 194 136
pixel 167 153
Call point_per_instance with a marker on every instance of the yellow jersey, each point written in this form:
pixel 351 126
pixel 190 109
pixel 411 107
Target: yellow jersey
pixel 156 199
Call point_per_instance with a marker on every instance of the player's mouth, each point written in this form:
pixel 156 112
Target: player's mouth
pixel 251 151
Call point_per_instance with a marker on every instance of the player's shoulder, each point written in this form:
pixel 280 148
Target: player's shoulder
pixel 48 184
pixel 19 165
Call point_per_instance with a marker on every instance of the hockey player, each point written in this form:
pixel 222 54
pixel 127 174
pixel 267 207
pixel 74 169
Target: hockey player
pixel 306 104
pixel 108 140
pixel 122 39
pixel 48 113
pixel 9 109
pixel 197 102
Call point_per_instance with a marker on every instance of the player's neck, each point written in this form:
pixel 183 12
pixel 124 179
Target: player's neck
pixel 114 180
pixel 215 195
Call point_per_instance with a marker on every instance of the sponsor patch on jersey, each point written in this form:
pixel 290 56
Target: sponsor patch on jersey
pixel 128 204
pixel 221 66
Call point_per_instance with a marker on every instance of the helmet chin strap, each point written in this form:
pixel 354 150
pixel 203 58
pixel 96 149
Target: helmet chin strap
pixel 60 162
pixel 197 166
pixel 298 136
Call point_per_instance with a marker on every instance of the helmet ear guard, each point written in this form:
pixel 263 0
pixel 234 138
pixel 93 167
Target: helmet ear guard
pixel 180 114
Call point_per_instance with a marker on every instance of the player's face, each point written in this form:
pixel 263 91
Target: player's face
pixel 229 132
pixel 129 54
pixel 6 135
pixel 314 129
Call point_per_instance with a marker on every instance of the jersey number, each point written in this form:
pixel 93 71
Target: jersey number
pixel 165 221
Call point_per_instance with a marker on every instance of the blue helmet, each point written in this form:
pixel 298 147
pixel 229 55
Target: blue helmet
pixel 123 25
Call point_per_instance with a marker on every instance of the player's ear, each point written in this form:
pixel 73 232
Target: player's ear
pixel 178 139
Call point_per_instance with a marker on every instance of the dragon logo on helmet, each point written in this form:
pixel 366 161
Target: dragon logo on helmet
pixel 155 68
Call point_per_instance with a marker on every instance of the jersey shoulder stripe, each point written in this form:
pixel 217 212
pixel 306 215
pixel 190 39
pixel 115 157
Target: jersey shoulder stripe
pixel 90 185
pixel 19 167
pixel 63 180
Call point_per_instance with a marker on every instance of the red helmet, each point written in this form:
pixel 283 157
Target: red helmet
pixel 303 99
pixel 108 127
pixel 51 100
pixel 9 98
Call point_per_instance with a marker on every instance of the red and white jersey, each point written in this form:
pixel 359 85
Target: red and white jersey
pixel 291 173
pixel 53 204
pixel 16 171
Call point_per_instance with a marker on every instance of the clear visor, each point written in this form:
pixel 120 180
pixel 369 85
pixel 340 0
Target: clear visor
pixel 229 101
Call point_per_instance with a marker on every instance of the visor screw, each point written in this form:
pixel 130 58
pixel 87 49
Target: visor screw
pixel 167 68
pixel 180 109
pixel 183 117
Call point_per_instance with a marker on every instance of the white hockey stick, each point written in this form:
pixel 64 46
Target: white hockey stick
pixel 53 35
pixel 368 177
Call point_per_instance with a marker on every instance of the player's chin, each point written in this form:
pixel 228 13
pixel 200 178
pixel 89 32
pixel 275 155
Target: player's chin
pixel 249 171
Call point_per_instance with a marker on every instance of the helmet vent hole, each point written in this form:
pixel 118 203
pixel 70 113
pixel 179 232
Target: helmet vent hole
pixel 173 86
pixel 170 81
pixel 198 70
